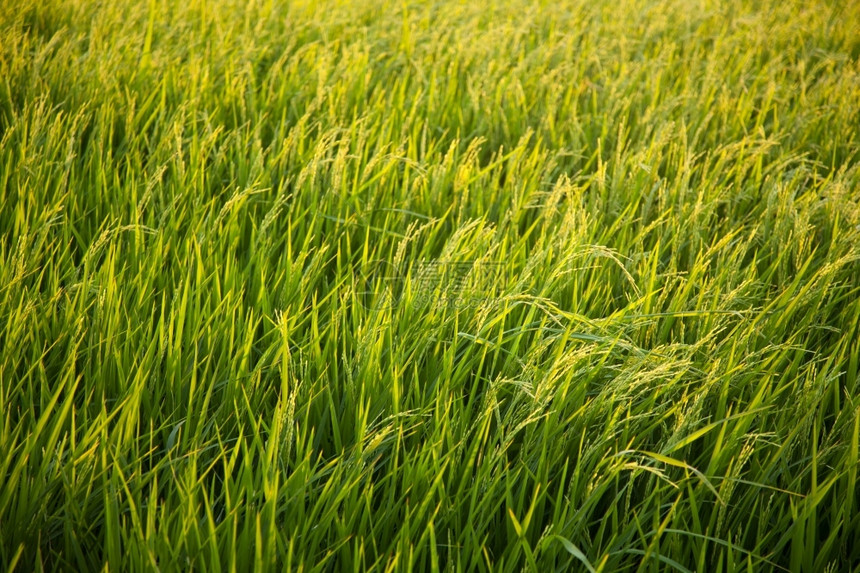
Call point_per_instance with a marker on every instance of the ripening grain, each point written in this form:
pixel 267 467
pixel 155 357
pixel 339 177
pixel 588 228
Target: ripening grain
pixel 336 286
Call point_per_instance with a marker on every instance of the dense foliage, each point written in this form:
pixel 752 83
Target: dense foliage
pixel 661 373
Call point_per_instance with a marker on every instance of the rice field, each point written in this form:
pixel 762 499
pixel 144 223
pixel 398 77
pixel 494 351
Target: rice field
pixel 429 286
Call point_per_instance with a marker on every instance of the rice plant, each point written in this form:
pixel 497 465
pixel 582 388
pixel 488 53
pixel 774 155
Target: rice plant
pixel 444 286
